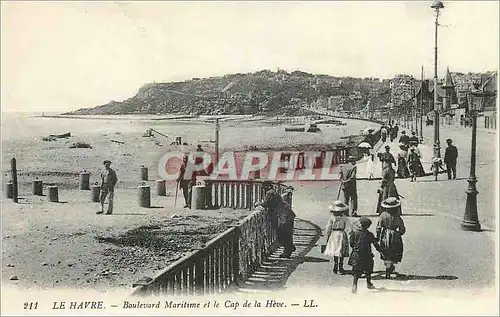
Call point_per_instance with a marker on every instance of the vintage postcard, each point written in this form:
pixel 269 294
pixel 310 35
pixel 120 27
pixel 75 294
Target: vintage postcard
pixel 249 158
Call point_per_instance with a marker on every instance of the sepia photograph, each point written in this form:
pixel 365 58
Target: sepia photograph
pixel 263 158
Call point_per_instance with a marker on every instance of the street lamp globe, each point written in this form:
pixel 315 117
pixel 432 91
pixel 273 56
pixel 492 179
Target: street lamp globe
pixel 437 4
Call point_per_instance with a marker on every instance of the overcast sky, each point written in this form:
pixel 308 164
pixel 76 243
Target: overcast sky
pixel 68 55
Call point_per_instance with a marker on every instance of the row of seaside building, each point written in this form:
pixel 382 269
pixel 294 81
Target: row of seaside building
pixel 407 94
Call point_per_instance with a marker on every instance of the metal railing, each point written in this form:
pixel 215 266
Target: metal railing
pixel 228 258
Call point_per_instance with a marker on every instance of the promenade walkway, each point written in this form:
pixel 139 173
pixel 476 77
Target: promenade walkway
pixel 439 257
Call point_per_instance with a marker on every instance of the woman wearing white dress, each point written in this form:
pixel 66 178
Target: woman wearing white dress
pixel 370 164
pixel 337 243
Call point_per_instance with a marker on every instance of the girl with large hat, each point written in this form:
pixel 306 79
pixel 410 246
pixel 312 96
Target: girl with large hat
pixel 390 229
pixel 337 242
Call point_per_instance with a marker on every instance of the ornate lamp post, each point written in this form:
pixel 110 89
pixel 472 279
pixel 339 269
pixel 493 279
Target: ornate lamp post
pixel 471 221
pixel 421 112
pixel 436 5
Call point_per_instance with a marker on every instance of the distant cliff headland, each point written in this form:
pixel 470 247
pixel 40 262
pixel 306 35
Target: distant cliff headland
pixel 264 92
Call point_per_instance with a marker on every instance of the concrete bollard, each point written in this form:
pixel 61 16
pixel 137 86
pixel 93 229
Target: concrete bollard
pixel 198 201
pixel 96 191
pixel 161 188
pixel 13 168
pixel 84 180
pixel 10 189
pixel 144 196
pixel 144 173
pixel 53 194
pixel 37 187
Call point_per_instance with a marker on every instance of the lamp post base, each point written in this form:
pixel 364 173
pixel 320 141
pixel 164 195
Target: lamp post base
pixel 471 221
pixel 471 226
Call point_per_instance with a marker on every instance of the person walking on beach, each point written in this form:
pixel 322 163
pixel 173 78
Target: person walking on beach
pixel 348 185
pixel 186 182
pixel 390 229
pixel 282 218
pixel 108 182
pixel 450 159
pixel 361 258
pixel 337 242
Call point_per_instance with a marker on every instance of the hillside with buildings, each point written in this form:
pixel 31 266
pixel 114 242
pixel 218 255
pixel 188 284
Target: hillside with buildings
pixel 264 92
pixel 284 93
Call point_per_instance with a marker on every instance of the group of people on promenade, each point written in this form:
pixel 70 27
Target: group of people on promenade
pixel 348 182
pixel 342 235
pixel 389 130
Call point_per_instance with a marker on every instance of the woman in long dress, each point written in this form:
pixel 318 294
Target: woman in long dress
pixel 387 188
pixel 370 166
pixel 390 229
pixel 414 164
pixel 337 243
pixel 403 171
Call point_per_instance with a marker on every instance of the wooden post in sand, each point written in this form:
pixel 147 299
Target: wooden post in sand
pixel 14 179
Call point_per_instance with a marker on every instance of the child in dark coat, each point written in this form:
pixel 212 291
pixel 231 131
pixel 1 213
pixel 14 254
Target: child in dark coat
pixel 361 258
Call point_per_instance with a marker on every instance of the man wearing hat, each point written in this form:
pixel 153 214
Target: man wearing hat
pixel 108 182
pixel 348 185
pixel 404 138
pixel 286 218
pixel 282 217
pixel 186 182
pixel 390 228
pixel 450 159
pixel 414 138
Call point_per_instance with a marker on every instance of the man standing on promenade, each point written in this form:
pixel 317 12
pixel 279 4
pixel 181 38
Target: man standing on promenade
pixel 108 182
pixel 348 185
pixel 282 218
pixel 450 159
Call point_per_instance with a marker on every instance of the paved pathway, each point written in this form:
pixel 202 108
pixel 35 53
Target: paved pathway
pixel 438 255
pixel 274 272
